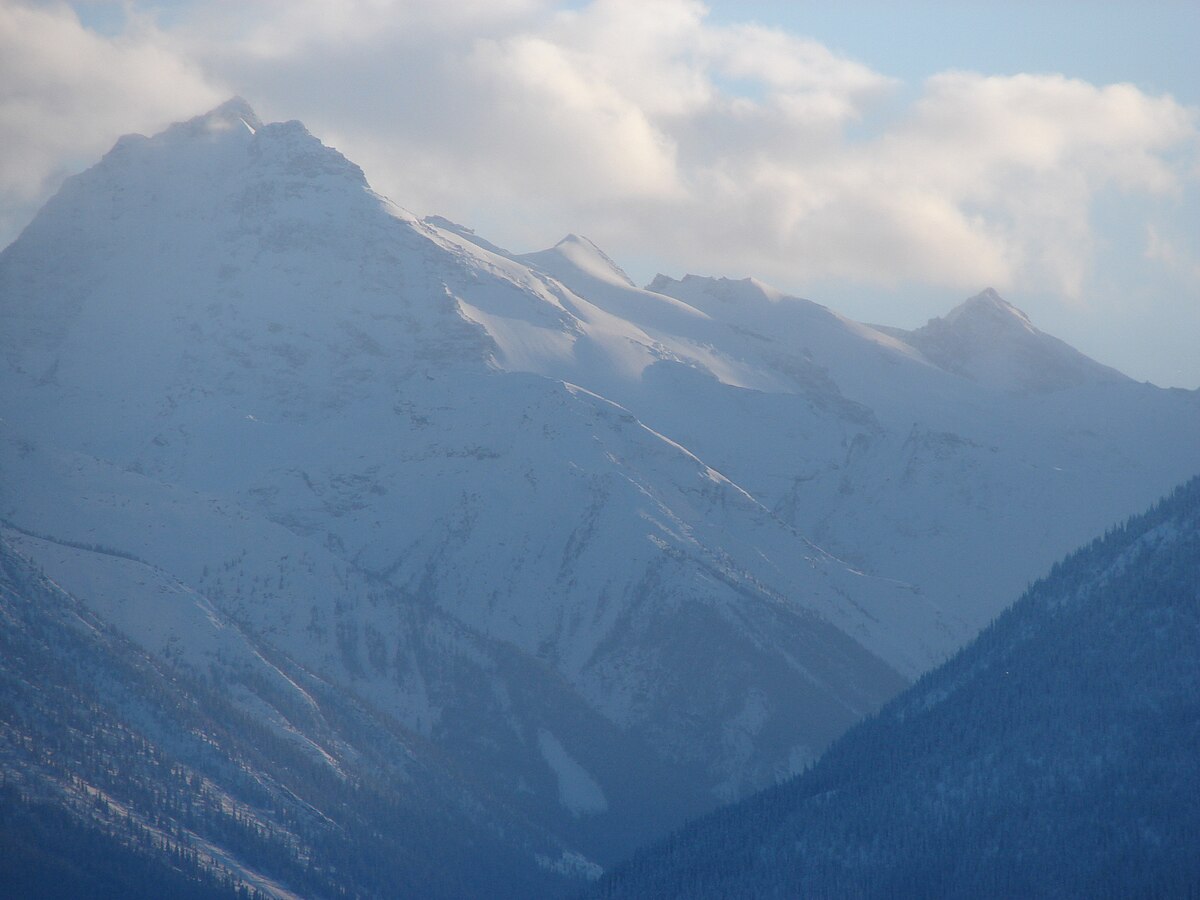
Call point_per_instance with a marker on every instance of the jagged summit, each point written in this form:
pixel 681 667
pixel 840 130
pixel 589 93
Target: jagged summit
pixel 235 116
pixel 659 281
pixel 723 290
pixel 573 241
pixel 227 139
pixel 259 218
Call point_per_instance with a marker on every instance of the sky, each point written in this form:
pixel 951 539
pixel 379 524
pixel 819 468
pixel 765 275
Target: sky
pixel 887 159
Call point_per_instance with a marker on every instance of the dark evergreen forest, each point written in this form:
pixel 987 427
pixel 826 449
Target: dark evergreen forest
pixel 47 853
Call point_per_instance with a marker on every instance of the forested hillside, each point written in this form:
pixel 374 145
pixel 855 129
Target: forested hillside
pixel 121 778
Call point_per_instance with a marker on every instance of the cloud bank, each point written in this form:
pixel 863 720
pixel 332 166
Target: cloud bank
pixel 66 93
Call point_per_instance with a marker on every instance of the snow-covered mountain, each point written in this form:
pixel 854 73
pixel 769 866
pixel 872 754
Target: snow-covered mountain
pixel 140 775
pixel 962 458
pixel 990 341
pixel 618 553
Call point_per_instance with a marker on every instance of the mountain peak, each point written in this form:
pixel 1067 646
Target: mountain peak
pixel 988 295
pixel 584 250
pixel 234 118
pixel 219 144
pixel 574 239
pixel 229 113
pixel 988 340
pixel 582 254
pixel 234 114
pixel 989 306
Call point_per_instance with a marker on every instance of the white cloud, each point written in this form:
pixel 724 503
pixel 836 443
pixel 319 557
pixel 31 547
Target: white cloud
pixel 282 29
pixel 736 147
pixel 67 92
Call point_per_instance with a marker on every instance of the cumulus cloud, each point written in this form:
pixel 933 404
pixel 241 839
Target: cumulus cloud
pixel 1020 160
pixel 737 147
pixel 66 92
pixel 730 148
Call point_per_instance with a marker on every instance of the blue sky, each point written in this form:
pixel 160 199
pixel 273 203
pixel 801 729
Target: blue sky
pixel 887 159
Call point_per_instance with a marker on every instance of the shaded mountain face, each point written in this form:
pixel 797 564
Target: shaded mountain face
pixel 609 555
pixel 1055 756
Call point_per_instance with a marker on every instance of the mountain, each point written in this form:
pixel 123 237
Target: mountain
pixel 962 459
pixel 594 557
pixel 964 487
pixel 128 774
pixel 263 391
pixel 990 341
pixel 1053 757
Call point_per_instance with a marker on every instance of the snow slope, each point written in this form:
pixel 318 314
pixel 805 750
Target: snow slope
pixel 962 458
